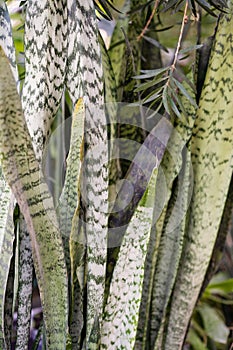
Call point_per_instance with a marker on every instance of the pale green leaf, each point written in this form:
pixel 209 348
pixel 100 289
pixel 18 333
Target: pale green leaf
pixel 45 66
pixel 214 325
pixel 122 309
pixel 6 243
pixel 212 166
pixel 25 178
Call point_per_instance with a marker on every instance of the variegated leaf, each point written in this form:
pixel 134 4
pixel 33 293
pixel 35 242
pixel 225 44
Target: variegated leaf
pixel 24 295
pixel 85 78
pixel 6 40
pixel 68 213
pixel 6 244
pixel 122 309
pixel 45 64
pixel 211 148
pixel 31 192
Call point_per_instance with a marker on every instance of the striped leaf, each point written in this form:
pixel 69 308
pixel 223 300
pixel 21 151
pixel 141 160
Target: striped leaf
pixel 6 40
pixel 45 63
pixel 122 310
pixel 24 295
pixel 85 78
pixel 68 210
pixel 211 147
pixel 6 243
pixel 69 196
pixel 153 308
pixel 26 181
pixel 6 197
pixel 170 227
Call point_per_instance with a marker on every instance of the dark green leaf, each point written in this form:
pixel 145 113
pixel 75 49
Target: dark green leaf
pixel 151 73
pixel 185 92
pixel 190 48
pixel 214 324
pixel 155 43
pixel 172 103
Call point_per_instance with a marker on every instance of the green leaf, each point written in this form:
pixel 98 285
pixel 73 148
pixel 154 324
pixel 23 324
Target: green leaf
pixel 153 97
pixel 214 325
pixel 155 43
pixel 212 169
pixel 156 81
pixel 190 48
pixel 151 73
pixel 195 341
pixel 173 105
pixel 223 287
pixel 26 180
pixel 6 243
pixel 68 212
pixel 6 39
pixel 185 92
pixel 25 281
pixel 122 308
pixel 45 67
pixel 84 56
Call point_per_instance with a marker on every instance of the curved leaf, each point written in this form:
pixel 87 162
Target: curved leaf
pixel 31 192
pixel 6 243
pixel 211 147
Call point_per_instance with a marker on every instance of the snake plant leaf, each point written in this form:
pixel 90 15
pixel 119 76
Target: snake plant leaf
pixel 122 309
pixel 85 79
pixel 8 303
pixel 172 164
pixel 6 39
pixel 68 208
pixel 211 148
pixel 111 109
pixel 24 176
pixel 45 63
pixel 6 243
pixel 170 248
pixel 117 45
pixel 69 196
pixel 24 295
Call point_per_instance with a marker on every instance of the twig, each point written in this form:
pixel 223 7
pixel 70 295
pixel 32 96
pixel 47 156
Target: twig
pixel 184 21
pixel 149 20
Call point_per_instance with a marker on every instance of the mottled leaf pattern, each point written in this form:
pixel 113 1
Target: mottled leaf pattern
pixel 6 40
pixel 26 180
pixel 69 197
pixel 24 297
pixel 68 213
pixel 85 77
pixel 6 243
pixel 122 309
pixel 211 147
pixel 45 63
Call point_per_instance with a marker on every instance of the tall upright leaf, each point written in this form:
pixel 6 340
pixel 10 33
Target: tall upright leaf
pixel 6 243
pixel 23 174
pixel 85 79
pixel 68 211
pixel 211 147
pixel 6 197
pixel 25 284
pixel 122 308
